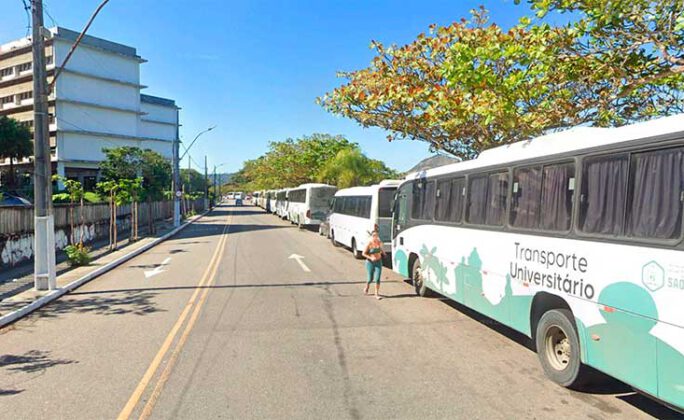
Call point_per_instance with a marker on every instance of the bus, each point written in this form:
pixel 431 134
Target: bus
pixel 271 201
pixel 573 239
pixel 309 203
pixel 357 210
pixel 280 207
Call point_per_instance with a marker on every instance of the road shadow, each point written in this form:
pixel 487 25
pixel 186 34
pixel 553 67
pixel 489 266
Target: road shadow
pixel 8 392
pixel 599 383
pixel 31 362
pixel 135 302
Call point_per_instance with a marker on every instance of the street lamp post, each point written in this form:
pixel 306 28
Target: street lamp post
pixel 216 183
pixel 177 157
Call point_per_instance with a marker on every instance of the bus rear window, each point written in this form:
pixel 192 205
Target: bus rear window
pixel 385 198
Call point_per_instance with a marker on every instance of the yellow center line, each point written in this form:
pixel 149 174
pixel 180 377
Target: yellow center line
pixel 156 362
pixel 163 378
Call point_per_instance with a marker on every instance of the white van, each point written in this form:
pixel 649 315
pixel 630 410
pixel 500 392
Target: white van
pixel 357 210
pixel 281 203
pixel 309 203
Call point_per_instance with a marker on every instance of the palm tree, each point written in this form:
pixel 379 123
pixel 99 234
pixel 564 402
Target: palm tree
pixel 15 144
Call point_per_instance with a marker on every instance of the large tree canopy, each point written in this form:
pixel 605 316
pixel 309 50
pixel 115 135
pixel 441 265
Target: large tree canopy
pixel 473 85
pixel 319 157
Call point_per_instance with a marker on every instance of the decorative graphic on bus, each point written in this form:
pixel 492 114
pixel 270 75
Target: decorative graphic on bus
pixel 653 276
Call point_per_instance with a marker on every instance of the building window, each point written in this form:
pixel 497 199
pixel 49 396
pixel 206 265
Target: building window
pixel 25 95
pixel 48 60
pixel 6 99
pixel 24 67
pixel 7 71
pixel 28 123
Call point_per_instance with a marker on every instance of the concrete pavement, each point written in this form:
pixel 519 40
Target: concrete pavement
pixel 263 338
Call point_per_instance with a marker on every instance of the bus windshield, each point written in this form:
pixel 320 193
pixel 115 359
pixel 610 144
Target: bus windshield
pixel 385 197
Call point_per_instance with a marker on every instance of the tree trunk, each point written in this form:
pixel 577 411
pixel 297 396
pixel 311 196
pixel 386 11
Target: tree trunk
pixel 72 238
pixel 80 239
pixel 150 219
pixel 116 228
pixel 111 220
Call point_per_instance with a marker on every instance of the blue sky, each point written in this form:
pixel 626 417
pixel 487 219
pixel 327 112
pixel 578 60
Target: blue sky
pixel 254 68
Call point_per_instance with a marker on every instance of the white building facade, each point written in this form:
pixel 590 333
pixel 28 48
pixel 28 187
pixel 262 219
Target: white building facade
pixel 96 103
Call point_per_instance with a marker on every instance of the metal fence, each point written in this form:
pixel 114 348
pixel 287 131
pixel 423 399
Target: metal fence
pixel 19 220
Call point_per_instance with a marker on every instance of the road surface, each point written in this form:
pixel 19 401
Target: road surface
pixel 220 322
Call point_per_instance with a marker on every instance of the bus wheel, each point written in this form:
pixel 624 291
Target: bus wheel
pixel 558 348
pixel 332 239
pixel 357 254
pixel 418 281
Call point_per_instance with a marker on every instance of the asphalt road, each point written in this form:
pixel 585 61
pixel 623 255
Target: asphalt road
pixel 226 325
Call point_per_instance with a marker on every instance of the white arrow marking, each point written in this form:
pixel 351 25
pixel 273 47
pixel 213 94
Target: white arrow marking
pixel 157 270
pixel 299 260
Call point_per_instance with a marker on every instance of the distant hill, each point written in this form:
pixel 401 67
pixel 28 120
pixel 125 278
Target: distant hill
pixel 224 178
pixel 433 162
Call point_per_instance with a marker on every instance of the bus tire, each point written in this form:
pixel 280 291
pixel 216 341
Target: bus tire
pixel 417 280
pixel 332 239
pixel 558 348
pixel 357 254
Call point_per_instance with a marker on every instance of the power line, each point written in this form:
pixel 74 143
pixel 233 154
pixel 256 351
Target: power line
pixel 53 20
pixel 27 9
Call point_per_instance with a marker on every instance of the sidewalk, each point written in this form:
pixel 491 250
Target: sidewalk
pixel 23 299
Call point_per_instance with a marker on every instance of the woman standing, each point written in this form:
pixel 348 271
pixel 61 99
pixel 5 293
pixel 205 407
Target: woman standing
pixel 373 254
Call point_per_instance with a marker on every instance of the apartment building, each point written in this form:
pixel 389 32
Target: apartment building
pixel 96 102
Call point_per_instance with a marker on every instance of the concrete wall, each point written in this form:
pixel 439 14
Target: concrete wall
pixel 16 227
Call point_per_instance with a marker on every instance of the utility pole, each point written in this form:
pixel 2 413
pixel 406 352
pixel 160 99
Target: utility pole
pixel 206 185
pixel 44 223
pixel 176 174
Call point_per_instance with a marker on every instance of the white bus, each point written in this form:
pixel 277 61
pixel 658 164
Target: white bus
pixel 281 203
pixel 309 203
pixel 574 239
pixel 357 210
pixel 271 201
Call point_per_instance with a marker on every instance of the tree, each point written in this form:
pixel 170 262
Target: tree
pixel 121 163
pixel 350 168
pixel 110 189
pixel 291 162
pixel 472 85
pixel 156 174
pixel 130 163
pixel 629 55
pixel 15 144
pixel 76 193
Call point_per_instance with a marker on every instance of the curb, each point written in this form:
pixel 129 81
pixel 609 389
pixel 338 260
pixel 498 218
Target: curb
pixel 57 293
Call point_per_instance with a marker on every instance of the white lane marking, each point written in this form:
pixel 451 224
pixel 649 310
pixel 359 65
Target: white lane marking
pixel 159 269
pixel 299 260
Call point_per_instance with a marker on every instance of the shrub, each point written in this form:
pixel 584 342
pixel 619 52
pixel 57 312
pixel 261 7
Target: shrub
pixel 77 255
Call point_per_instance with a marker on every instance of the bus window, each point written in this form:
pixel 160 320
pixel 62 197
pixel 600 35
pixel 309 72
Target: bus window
pixel 423 204
pixel 604 184
pixel 477 199
pixel 442 200
pixel 456 199
pixel 526 197
pixel 385 197
pixel 656 185
pixel 400 214
pixel 558 189
pixel 497 194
